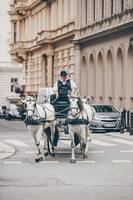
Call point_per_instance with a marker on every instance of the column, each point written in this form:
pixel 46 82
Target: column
pixel 50 70
pixel 77 66
pixel 66 11
pixel 78 14
pixel 83 13
pixel 72 9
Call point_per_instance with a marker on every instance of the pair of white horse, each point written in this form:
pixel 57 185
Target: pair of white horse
pixel 41 117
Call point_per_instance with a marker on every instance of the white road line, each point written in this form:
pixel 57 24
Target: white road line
pixel 49 162
pixel 17 143
pixel 121 161
pixel 126 151
pixel 101 143
pixel 96 152
pixel 118 140
pixel 15 162
pixel 86 161
pixel 30 152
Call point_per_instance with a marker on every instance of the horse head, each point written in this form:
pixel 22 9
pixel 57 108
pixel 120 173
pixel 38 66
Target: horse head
pixel 30 105
pixel 76 106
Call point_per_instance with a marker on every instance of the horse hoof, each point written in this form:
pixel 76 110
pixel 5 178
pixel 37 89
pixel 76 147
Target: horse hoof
pixel 37 160
pixel 85 156
pixel 46 154
pixel 53 154
pixel 72 160
pixel 40 159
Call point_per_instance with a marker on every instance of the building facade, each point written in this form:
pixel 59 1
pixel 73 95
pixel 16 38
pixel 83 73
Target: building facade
pixel 91 39
pixel 10 80
pixel 10 73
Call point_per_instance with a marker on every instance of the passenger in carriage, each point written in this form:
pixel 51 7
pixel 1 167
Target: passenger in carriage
pixel 64 87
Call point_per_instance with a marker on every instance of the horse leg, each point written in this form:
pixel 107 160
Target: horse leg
pixel 73 159
pixel 52 129
pixel 84 142
pixel 87 141
pixel 45 144
pixel 36 136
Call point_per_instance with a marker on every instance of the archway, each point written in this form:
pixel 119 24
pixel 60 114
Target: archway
pixel 84 77
pixel 119 77
pixel 100 77
pixel 91 77
pixel 130 74
pixel 109 76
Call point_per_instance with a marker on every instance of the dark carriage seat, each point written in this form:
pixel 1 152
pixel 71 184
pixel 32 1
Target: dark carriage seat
pixel 61 104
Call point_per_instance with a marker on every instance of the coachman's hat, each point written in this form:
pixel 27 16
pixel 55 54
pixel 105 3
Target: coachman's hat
pixel 63 73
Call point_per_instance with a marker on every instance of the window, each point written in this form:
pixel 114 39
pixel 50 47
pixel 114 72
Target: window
pixel 94 7
pixel 102 8
pixel 122 5
pixel 86 11
pixel 112 5
pixel 15 32
pixel 14 84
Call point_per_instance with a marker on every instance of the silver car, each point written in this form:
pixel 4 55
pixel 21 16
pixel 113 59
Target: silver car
pixel 105 118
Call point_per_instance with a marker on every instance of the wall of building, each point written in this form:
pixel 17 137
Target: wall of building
pixel 4 31
pixel 6 74
pixel 107 71
pixel 88 38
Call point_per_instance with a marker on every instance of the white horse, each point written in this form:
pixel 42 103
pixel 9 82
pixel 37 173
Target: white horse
pixel 39 117
pixel 78 123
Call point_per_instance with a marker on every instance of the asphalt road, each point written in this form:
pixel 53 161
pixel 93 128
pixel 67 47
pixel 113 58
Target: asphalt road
pixel 106 174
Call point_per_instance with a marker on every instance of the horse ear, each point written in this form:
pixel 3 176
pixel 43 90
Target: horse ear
pixel 35 97
pixel 23 101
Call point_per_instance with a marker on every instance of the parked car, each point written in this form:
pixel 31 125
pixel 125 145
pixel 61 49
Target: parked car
pixel 105 118
pixel 12 113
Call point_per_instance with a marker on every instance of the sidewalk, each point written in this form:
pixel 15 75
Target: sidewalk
pixel 125 135
pixel 6 151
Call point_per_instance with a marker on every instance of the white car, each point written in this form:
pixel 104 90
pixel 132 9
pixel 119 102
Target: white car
pixel 105 118
pixel 12 113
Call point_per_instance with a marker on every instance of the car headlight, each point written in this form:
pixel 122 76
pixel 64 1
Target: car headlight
pixel 96 118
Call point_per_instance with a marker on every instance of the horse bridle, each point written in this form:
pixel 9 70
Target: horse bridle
pixel 31 109
pixel 76 108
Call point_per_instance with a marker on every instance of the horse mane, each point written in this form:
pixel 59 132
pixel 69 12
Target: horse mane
pixel 80 104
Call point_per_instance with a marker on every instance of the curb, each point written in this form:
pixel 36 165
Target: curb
pixel 6 151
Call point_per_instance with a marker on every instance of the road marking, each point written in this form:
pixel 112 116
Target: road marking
pixel 118 140
pixel 121 161
pixel 96 152
pixel 30 152
pixel 86 161
pixel 126 151
pixel 17 143
pixel 102 143
pixel 13 162
pixel 49 162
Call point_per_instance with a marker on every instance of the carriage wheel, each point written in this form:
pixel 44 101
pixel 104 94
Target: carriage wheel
pixel 49 144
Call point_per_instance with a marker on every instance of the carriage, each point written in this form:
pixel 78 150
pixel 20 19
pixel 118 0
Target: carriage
pixel 61 107
pixel 55 116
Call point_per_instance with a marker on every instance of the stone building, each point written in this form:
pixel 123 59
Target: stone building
pixel 10 80
pixel 10 73
pixel 91 39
